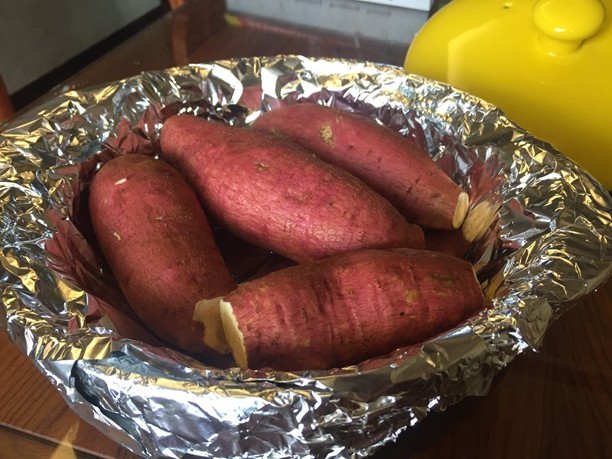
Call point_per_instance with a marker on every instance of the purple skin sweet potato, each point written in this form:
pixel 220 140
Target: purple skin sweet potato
pixel 156 238
pixel 347 308
pixel 277 195
pixel 384 159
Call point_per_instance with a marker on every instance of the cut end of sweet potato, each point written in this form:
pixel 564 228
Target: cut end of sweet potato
pixel 233 334
pixel 479 219
pixel 207 312
pixel 463 202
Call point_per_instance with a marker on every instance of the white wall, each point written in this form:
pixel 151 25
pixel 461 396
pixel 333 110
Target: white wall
pixel 377 19
pixel 37 36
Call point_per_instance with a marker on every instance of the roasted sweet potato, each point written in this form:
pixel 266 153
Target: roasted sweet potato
pixel 275 194
pixel 346 308
pixel 157 241
pixel 384 159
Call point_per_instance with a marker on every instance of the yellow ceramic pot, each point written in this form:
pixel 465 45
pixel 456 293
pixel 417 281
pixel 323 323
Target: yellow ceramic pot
pixel 545 63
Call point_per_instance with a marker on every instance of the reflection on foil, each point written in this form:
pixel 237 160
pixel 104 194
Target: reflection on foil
pixel 550 246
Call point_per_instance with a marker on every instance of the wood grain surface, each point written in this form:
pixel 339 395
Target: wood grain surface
pixel 36 422
pixel 555 403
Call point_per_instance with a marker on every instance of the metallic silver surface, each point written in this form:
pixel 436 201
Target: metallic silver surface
pixel 549 245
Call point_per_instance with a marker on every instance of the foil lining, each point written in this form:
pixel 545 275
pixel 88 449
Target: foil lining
pixel 549 245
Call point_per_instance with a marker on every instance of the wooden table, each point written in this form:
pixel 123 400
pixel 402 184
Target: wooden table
pixel 556 403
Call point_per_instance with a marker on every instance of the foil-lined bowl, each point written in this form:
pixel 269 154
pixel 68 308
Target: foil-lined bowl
pixel 548 246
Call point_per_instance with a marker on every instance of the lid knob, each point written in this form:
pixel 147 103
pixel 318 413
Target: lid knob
pixel 565 24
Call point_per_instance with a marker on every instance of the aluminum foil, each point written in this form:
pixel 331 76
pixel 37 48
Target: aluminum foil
pixel 549 244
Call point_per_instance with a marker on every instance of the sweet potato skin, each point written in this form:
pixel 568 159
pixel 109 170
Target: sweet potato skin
pixel 347 308
pixel 388 162
pixel 279 196
pixel 157 240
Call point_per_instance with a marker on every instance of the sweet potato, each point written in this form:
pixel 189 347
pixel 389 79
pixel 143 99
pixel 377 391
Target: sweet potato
pixel 157 240
pixel 279 196
pixel 390 163
pixel 347 308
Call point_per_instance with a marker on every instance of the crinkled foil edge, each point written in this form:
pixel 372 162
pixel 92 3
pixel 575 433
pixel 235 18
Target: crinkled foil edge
pixel 551 248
